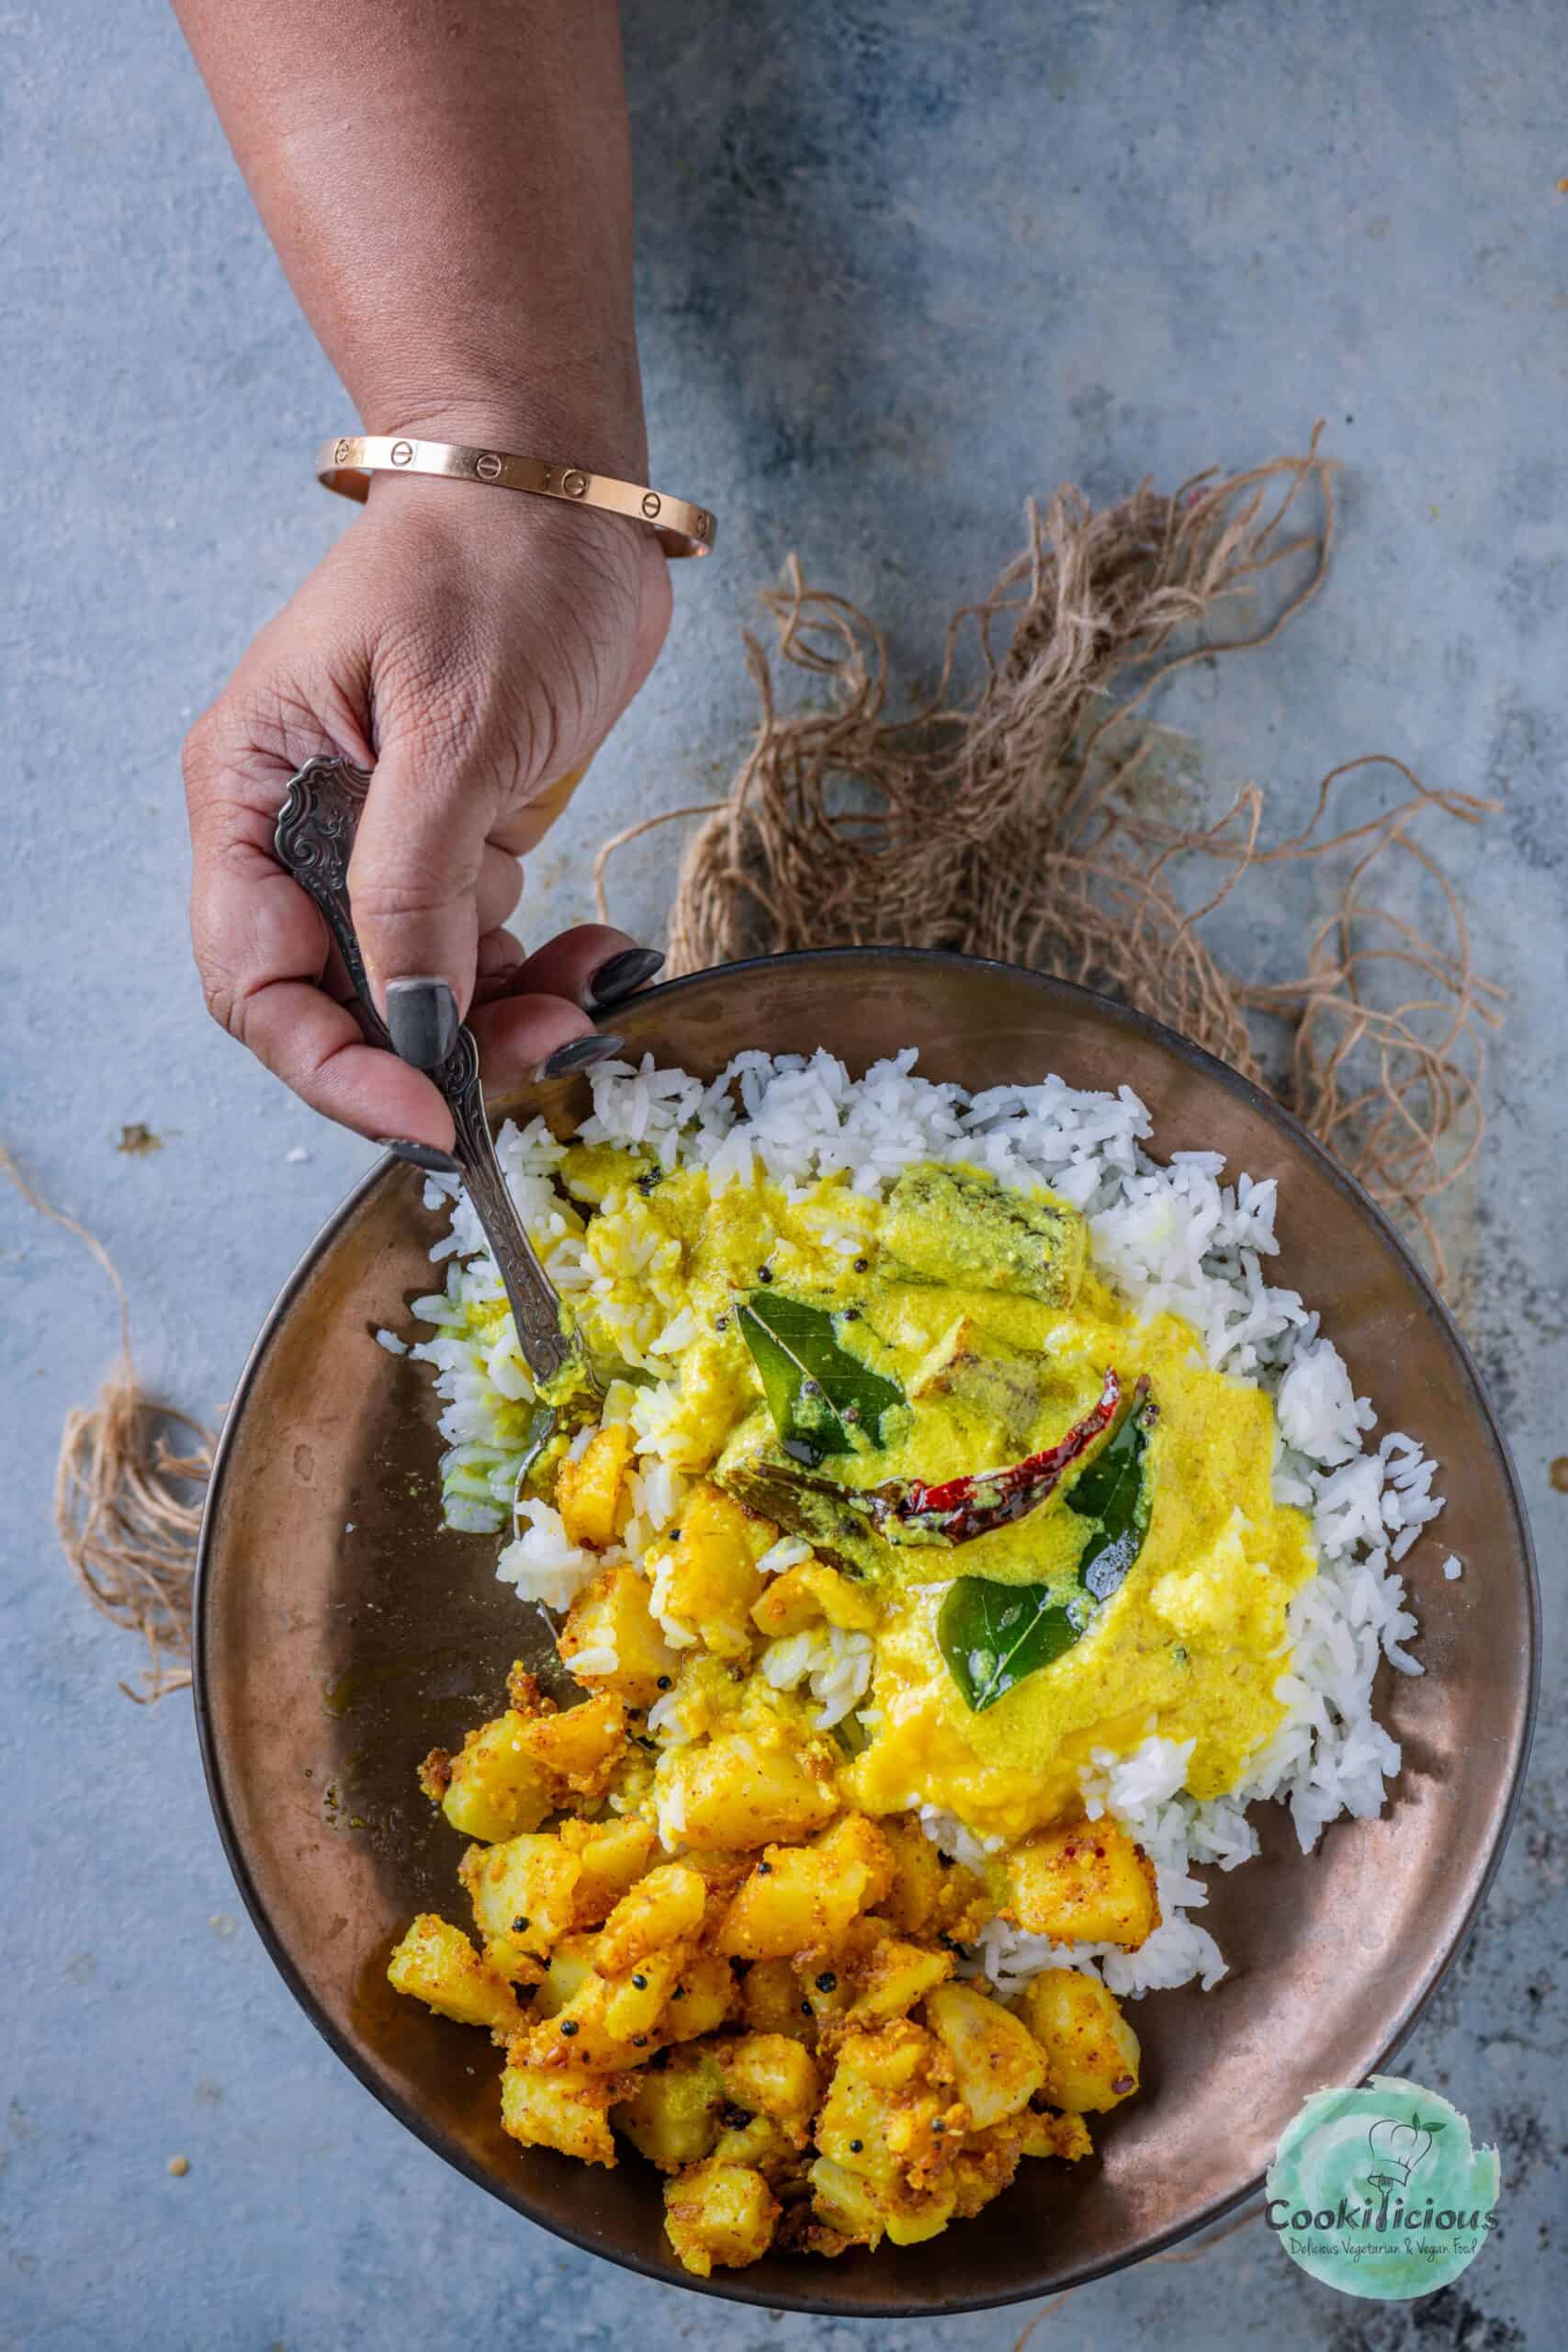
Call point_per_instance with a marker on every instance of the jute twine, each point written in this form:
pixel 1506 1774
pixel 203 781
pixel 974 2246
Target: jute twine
pixel 127 1505
pixel 1028 819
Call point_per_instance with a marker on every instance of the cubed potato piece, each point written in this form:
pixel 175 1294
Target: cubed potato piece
pixel 876 2075
pixel 1092 2052
pixel 719 2215
pixel 770 2074
pixel 710 1580
pixel 523 1892
pixel 702 2001
pixel 571 1966
pixel 672 2115
pixel 740 1790
pixel 790 1903
pixel 493 1788
pixel 807 1594
pixel 803 1898
pixel 846 2201
pixel 895 1976
pixel 594 1493
pixel 1086 1882
pixel 767 2146
pixel 855 1844
pixel 666 1908
pixel 557 2109
pixel 612 1616
pixel 436 1964
pixel 577 1748
pixel 635 2001
pixel 929 1895
pixel 996 2061
pixel 580 2038
pixel 612 1856
pixel 771 2002
pixel 883 2168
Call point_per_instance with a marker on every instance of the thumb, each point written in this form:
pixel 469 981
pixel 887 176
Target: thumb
pixel 414 872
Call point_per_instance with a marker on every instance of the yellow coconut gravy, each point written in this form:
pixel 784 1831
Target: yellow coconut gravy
pixel 932 1290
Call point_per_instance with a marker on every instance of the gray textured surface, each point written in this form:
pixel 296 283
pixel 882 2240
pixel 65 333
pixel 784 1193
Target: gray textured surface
pixel 902 263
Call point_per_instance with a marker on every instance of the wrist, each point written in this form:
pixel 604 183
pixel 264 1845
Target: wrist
pixel 590 416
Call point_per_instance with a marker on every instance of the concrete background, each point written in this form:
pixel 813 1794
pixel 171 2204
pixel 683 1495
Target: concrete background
pixel 902 263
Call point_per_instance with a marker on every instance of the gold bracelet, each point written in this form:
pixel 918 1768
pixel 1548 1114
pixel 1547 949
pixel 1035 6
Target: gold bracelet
pixel 346 465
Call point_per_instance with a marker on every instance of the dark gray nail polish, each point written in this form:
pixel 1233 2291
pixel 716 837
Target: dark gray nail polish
pixel 580 1054
pixel 619 975
pixel 419 1154
pixel 422 1015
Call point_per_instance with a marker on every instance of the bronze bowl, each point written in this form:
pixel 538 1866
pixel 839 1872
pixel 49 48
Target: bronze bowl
pixel 340 1634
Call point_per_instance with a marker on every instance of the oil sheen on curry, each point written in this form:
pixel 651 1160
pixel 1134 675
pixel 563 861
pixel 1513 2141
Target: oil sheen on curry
pixel 1099 1555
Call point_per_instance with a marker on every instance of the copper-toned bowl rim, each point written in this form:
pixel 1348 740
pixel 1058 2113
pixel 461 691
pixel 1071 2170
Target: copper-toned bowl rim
pixel 732 2286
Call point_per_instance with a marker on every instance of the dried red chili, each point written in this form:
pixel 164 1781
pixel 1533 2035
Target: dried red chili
pixel 960 1509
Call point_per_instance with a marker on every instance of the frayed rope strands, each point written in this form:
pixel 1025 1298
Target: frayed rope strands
pixel 1023 822
pixel 124 1507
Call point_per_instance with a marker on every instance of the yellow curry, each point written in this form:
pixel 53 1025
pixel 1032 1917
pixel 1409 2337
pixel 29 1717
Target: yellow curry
pixel 954 1526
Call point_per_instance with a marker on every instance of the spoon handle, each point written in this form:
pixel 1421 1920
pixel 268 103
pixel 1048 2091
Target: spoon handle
pixel 314 839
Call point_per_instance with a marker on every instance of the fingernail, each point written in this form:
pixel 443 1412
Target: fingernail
pixel 580 1054
pixel 422 1015
pixel 619 975
pixel 419 1154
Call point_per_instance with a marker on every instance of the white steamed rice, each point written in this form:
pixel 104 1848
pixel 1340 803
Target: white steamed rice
pixel 1171 1236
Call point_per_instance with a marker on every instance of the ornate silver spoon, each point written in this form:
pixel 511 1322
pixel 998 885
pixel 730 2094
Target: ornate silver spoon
pixel 314 838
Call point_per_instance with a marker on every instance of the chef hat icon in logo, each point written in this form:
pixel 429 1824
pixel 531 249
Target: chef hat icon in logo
pixel 1399 2147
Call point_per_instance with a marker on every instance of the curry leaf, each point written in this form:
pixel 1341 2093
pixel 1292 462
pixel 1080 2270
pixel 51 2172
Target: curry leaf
pixel 817 1393
pixel 993 1635
pixel 1115 1493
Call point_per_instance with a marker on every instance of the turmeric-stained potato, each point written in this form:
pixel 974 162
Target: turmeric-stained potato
pixel 1092 2052
pixel 571 1965
pixel 1086 1882
pixel 581 2036
pixel 594 1493
pixel 894 1977
pixel 743 1789
pixel 436 1964
pixel 998 2063
pixel 771 2002
pixel 663 1908
pixel 803 1898
pixel 492 1788
pixel 555 2108
pixel 577 1748
pixel 929 1895
pixel 611 1856
pixel 523 1892
pixel 703 2001
pixel 768 2147
pixel 708 1579
pixel 768 2074
pixel 635 2000
pixel 809 1593
pixel 888 2132
pixel 673 2114
pixel 719 2215
pixel 612 1642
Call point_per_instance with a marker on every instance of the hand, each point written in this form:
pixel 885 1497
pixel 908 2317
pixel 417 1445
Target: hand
pixel 473 650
